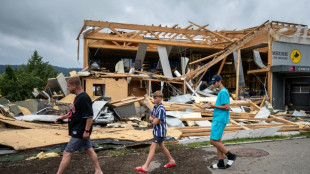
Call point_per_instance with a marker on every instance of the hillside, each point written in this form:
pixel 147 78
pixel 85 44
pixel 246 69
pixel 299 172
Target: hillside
pixel 65 71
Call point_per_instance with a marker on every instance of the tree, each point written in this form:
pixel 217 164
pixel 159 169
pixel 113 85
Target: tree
pixel 9 84
pixel 19 84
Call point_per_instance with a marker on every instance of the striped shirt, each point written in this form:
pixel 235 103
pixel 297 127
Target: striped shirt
pixel 160 130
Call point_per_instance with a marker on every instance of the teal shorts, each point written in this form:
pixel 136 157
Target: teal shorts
pixel 217 130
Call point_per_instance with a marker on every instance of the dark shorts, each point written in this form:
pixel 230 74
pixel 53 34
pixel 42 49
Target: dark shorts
pixel 158 140
pixel 78 144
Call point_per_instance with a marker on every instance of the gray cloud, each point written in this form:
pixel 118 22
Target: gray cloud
pixel 51 26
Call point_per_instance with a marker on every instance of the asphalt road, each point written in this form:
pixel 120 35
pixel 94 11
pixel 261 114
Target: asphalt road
pixel 285 157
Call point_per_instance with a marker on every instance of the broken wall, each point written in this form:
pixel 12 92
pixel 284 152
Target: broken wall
pixel 116 89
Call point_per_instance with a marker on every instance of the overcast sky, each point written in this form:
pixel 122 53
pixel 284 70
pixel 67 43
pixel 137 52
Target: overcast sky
pixel 51 26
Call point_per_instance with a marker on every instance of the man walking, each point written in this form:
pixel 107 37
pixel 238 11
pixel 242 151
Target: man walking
pixel 80 120
pixel 219 121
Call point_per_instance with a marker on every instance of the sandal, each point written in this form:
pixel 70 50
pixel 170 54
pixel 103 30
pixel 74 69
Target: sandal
pixel 168 165
pixel 139 169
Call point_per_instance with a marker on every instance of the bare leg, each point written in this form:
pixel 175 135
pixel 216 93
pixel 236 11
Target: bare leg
pixel 150 156
pixel 94 159
pixel 66 157
pixel 166 153
pixel 220 148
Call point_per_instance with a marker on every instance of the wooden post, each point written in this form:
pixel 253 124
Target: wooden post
pixel 237 73
pixel 149 87
pixel 269 77
pixel 85 54
pixel 184 87
pixel 221 67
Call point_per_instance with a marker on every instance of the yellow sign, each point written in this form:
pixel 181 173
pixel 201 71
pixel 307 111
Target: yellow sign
pixel 295 56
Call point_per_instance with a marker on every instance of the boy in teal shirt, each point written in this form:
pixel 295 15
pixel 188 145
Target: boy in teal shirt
pixel 219 121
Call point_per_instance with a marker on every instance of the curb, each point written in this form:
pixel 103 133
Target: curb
pixel 252 142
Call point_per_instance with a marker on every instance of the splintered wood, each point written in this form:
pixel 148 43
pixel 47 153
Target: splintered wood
pixel 238 120
pixel 40 135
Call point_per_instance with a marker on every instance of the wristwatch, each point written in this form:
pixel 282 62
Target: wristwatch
pixel 87 131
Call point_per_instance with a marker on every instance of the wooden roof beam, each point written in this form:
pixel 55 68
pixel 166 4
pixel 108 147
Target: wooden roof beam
pixel 256 71
pixel 215 33
pixel 104 36
pixel 143 27
pixel 115 31
pixel 228 50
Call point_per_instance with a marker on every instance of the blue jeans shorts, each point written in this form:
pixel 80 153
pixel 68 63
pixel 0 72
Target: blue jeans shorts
pixel 217 130
pixel 78 144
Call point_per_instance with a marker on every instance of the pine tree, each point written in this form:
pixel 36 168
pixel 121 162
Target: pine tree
pixel 19 84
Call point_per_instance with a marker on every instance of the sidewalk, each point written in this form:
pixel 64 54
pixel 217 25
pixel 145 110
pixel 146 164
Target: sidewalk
pixel 285 157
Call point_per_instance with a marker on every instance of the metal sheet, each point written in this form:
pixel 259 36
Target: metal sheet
pixel 126 110
pixel 44 118
pixel 63 84
pixel 174 122
pixel 257 59
pixel 140 56
pixel 184 61
pixel 163 55
pixel 119 67
pixel 97 107
pixel 241 75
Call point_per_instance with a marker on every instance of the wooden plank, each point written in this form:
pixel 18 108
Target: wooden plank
pixel 126 99
pixel 207 130
pixel 242 126
pixel 269 77
pixel 262 103
pixel 215 33
pixel 115 31
pixel 221 67
pixel 173 29
pixel 282 120
pixel 228 50
pixel 196 119
pixel 195 134
pixel 85 53
pixel 200 134
pixel 109 37
pixel 237 73
pixel 256 71
pixel 254 106
pixel 206 58
pixel 251 118
pixel 154 34
pixel 127 102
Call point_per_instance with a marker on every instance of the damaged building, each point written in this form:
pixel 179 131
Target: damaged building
pixel 268 60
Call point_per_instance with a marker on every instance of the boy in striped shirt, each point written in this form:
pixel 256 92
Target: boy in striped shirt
pixel 158 119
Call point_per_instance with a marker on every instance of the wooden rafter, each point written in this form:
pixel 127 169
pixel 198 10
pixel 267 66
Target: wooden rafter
pixel 115 31
pixel 228 50
pixel 215 33
pixel 263 70
pixel 221 67
pixel 158 32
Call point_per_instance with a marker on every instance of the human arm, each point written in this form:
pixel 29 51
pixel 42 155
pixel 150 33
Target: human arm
pixel 155 121
pixel 222 102
pixel 58 120
pixel 89 122
pixel 157 118
pixel 223 107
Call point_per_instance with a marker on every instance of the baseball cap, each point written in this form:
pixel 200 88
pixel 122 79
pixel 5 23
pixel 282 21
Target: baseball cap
pixel 215 78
